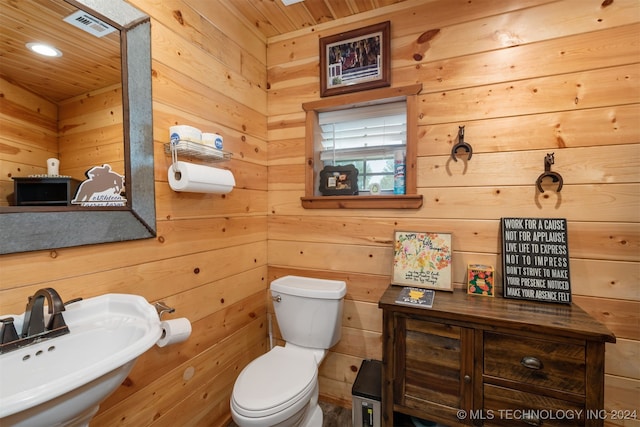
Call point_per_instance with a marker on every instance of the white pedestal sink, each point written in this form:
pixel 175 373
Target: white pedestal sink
pixel 61 381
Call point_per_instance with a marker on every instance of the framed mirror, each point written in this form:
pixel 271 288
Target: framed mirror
pixel 48 227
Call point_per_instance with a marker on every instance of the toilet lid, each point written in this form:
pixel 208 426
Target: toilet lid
pixel 274 381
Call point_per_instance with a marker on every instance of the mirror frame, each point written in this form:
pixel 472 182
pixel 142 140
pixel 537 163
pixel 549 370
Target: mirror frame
pixel 50 228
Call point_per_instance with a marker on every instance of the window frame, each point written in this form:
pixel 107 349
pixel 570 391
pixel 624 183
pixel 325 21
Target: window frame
pixel 409 200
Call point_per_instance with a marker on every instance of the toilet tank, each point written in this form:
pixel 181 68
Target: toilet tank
pixel 308 310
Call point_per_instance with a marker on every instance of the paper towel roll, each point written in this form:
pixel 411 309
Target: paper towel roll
pixel 174 331
pixel 194 178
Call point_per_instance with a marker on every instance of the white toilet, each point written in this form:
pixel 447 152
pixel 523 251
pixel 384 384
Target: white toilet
pixel 280 388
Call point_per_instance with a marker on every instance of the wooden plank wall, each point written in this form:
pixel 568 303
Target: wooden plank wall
pixel 525 78
pixel 567 83
pixel 28 135
pixel 209 260
pixel 90 132
pixel 82 132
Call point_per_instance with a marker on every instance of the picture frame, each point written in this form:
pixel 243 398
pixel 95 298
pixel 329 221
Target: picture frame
pixel 356 60
pixel 422 259
pixel 339 180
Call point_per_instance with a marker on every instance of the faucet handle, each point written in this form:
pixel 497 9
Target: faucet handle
pixel 9 333
pixel 56 321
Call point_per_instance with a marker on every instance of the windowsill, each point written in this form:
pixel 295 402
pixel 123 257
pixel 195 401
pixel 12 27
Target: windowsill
pixel 411 201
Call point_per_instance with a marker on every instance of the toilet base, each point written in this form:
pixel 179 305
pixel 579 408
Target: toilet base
pixel 309 415
pixel 314 417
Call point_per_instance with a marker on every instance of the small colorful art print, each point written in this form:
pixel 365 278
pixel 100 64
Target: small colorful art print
pixel 422 259
pixel 356 60
pixel 480 280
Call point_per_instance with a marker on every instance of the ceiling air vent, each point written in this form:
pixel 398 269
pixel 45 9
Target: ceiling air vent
pixel 90 24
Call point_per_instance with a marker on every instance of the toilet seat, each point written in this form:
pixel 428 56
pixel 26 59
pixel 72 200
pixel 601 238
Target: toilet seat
pixel 275 381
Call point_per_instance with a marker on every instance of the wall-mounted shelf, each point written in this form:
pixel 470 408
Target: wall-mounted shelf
pixel 197 151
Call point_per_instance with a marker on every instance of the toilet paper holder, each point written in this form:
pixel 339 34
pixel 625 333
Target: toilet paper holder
pixel 163 308
pixel 193 150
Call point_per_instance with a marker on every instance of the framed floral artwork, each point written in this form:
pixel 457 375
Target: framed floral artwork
pixel 422 259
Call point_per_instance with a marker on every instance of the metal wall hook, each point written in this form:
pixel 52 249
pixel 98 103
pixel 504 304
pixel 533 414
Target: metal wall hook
pixel 556 177
pixel 461 144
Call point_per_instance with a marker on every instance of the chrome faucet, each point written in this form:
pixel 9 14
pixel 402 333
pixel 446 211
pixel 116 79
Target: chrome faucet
pixel 33 323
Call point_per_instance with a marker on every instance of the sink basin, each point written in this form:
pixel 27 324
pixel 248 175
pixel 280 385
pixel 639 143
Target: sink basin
pixel 62 380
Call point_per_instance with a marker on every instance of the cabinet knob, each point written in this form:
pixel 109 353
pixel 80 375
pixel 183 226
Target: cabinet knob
pixel 531 362
pixel 467 379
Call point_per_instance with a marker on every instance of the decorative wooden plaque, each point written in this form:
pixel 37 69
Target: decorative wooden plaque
pixel 535 259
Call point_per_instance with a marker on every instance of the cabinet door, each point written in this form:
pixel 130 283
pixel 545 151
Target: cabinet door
pixel 433 370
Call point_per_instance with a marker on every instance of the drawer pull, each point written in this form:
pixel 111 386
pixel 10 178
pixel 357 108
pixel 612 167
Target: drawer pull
pixel 531 362
pixel 467 379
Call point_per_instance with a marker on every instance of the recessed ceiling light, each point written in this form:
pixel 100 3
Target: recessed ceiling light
pixel 44 49
pixel 290 2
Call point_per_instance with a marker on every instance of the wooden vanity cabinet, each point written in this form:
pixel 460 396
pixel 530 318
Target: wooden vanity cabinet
pixel 492 361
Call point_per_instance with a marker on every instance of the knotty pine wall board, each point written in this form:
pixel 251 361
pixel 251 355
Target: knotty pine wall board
pixel 167 394
pixel 215 256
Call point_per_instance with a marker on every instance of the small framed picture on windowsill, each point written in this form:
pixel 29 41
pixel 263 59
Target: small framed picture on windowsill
pixel 339 181
pixel 356 60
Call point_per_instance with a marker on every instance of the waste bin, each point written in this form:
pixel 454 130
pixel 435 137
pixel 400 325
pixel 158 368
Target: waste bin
pixel 367 395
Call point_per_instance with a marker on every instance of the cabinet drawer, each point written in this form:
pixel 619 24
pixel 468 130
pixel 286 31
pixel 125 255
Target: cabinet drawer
pixel 503 406
pixel 545 363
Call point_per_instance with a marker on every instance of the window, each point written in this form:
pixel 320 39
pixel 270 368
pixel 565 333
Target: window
pixel 364 129
pixel 367 137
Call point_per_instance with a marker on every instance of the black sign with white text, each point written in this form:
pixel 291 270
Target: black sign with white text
pixel 535 259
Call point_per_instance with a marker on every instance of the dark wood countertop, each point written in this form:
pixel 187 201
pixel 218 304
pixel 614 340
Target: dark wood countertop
pixel 567 320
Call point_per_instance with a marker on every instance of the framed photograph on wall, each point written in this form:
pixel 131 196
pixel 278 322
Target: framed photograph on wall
pixel 422 259
pixel 356 60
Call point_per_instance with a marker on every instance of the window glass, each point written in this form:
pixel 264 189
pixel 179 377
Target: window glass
pixel 366 137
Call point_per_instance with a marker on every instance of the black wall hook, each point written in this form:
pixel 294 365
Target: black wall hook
pixel 556 177
pixel 461 144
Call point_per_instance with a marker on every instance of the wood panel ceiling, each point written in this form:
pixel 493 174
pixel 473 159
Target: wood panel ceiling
pixel 272 17
pixel 87 63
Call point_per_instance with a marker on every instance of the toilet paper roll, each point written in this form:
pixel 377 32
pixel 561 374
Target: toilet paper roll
pixel 174 331
pixel 213 140
pixel 53 166
pixel 194 178
pixel 184 133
